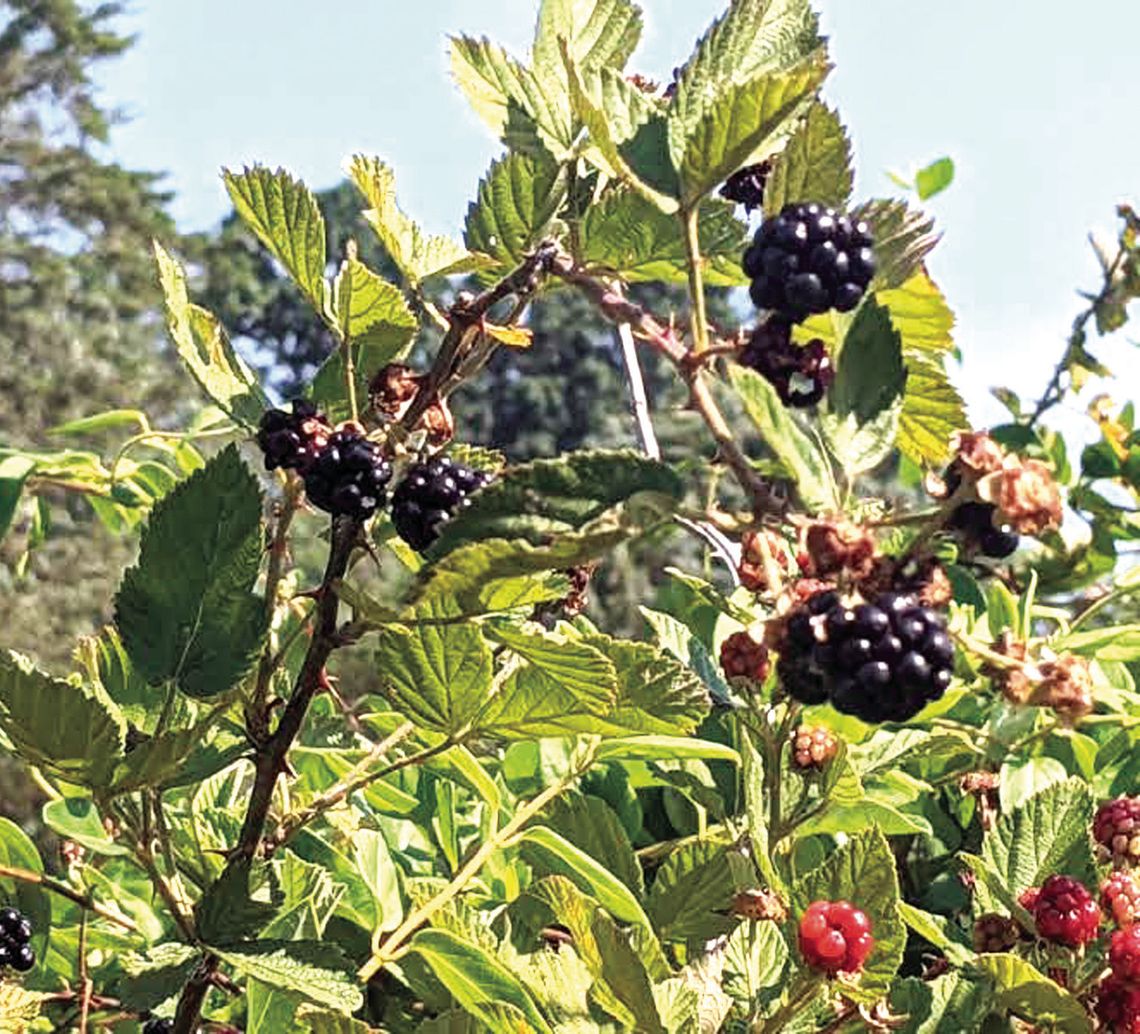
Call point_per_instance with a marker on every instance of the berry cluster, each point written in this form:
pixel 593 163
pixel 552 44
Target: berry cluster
pixel 349 476
pixel 1120 898
pixel 976 523
pixel 746 186
pixel 879 662
pixel 1064 911
pixel 157 1026
pixel 1118 997
pixel 430 495
pixel 1116 829
pixel 293 440
pixel 835 937
pixel 813 746
pixel 809 259
pixel 801 374
pixel 995 933
pixel 744 659
pixel 15 941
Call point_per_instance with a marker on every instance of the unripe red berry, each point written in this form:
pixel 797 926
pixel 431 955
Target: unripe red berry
pixel 1116 828
pixel 813 746
pixel 1120 898
pixel 1066 913
pixel 835 937
pixel 742 657
pixel 1124 954
pixel 1118 1006
pixel 994 932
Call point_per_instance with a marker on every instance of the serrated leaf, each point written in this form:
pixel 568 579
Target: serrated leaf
pixel 19 1007
pixel 693 890
pixel 628 234
pixel 477 980
pixel 72 731
pixel 745 121
pixel 156 976
pixel 228 912
pixel 862 870
pixel 540 500
pixel 903 238
pixel 870 375
pixel 205 349
pixel 800 456
pixel 626 973
pixel 316 970
pixel 932 411
pixel 517 202
pixel 316 1021
pixel 599 33
pixel 814 166
pixel 953 1003
pixel 284 215
pixel 186 612
pixel 1048 835
pixel 591 824
pixel 664 748
pixel 416 254
pixel 437 675
pixel 1025 991
pixel 920 314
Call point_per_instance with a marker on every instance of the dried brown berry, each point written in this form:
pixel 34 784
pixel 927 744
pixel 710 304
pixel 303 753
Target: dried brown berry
pixel 839 547
pixel 743 658
pixel 813 746
pixel 759 905
pixel 975 454
pixel 392 390
pixel 994 933
pixel 754 566
pixel 1025 494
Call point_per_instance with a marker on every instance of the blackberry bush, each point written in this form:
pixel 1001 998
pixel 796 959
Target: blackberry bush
pixel 349 476
pixel 430 495
pixel 809 259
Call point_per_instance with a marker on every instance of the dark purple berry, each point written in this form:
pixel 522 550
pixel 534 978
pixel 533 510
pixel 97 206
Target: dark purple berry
pixel 746 186
pixel 871 621
pixel 430 495
pixel 23 958
pixel 913 671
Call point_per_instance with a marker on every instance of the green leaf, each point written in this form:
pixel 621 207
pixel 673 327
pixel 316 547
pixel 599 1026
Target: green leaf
pixel 920 314
pixel 935 178
pixel 932 411
pixel 953 1003
pixel 870 377
pixel 187 612
pixel 229 912
pixel 1023 778
pixel 1048 835
pixel 416 254
pixel 284 215
pixel 902 239
pixel 158 975
pixel 316 970
pixel 862 870
pixel 664 748
pixel 744 120
pixel 317 1022
pixel 308 893
pixel 476 980
pixel 71 731
pixel 1111 643
pixel 801 457
pixel 516 205
pixel 77 818
pixel 205 349
pixel 546 498
pixel 599 33
pixel 815 165
pixel 626 233
pixel 109 666
pixel 18 852
pixel 1026 992
pixel 552 853
pixel 626 973
pixel 591 824
pixel 14 471
pixel 694 888
pixel 376 868
pixel 157 759
pixel 439 676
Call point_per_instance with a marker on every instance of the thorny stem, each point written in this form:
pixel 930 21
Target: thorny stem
pixel 394 945
pixel 84 901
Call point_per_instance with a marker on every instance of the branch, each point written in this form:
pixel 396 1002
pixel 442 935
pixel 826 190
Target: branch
pixel 85 901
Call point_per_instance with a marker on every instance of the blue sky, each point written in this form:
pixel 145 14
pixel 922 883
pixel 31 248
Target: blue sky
pixel 1036 102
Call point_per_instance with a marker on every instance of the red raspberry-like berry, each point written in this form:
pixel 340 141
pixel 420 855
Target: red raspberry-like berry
pixel 1120 898
pixel 742 657
pixel 1066 913
pixel 1118 1006
pixel 1124 954
pixel 1027 899
pixel 813 746
pixel 835 937
pixel 993 932
pixel 1116 828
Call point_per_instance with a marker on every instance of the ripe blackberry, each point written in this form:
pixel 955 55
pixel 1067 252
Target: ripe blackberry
pixel 293 440
pixel 349 477
pixel 801 374
pixel 157 1026
pixel 15 937
pixel 976 522
pixel 1120 898
pixel 835 936
pixel 741 657
pixel 1124 954
pixel 809 259
pixel 1065 912
pixel 746 186
pixel 430 495
pixel 813 746
pixel 995 933
pixel 1118 1006
pixel 1116 829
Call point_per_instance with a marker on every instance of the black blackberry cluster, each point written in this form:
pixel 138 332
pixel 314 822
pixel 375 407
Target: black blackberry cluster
pixel 809 259
pixel 430 494
pixel 976 523
pixel 293 440
pixel 157 1026
pixel 746 186
pixel 801 374
pixel 349 476
pixel 15 941
pixel 881 662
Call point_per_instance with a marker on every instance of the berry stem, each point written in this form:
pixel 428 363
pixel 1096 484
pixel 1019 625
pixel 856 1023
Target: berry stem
pixel 84 901
pixel 699 315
